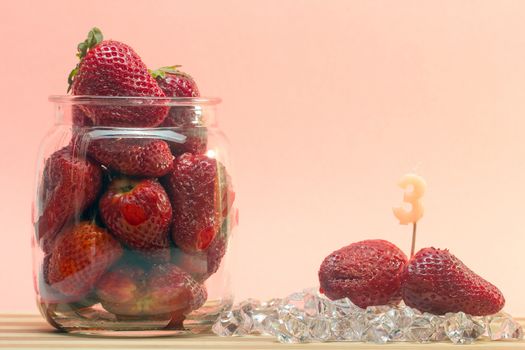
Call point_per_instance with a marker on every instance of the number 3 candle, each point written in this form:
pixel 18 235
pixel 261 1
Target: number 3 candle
pixel 414 187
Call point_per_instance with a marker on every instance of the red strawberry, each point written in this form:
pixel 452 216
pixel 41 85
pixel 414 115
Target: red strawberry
pixel 138 213
pixel 438 282
pixel 70 185
pixel 79 118
pixel 165 289
pixel 187 119
pixel 368 273
pixel 164 278
pixel 47 293
pixel 193 189
pixel 202 265
pixel 215 253
pixel 80 257
pixel 112 68
pixel 134 157
pixel 50 295
pixel 175 83
pixel 196 139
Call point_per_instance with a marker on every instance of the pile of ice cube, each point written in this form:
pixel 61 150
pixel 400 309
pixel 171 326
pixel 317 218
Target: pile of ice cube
pixel 308 316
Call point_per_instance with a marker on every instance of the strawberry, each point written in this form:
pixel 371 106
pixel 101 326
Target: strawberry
pixel 134 157
pixel 80 257
pixel 187 119
pixel 203 264
pixel 50 295
pixel 47 293
pixel 70 184
pixel 193 188
pixel 138 212
pixel 196 139
pixel 165 278
pixel 214 254
pixel 121 287
pixel 165 289
pixel 79 118
pixel 175 83
pixel 368 273
pixel 438 282
pixel 112 68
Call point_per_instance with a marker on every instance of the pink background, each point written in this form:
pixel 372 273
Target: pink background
pixel 326 104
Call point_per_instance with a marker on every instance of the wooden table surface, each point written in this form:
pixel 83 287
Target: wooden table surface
pixel 18 331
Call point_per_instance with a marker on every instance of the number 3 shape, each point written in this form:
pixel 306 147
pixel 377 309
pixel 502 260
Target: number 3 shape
pixel 411 197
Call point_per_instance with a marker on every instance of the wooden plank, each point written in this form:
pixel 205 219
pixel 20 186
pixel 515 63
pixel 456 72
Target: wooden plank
pixel 31 332
pixel 223 343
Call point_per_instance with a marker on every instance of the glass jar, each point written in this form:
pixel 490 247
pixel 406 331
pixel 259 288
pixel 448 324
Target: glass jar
pixel 132 222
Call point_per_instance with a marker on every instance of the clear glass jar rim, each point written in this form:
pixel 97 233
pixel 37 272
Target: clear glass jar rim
pixel 133 100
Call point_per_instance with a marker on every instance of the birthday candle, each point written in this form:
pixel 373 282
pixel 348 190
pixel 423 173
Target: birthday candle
pixel 414 186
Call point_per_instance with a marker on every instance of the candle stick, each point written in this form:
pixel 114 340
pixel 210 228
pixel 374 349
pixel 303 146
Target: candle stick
pixel 414 187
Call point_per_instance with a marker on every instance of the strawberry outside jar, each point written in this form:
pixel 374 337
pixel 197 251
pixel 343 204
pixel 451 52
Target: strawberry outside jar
pixel 133 222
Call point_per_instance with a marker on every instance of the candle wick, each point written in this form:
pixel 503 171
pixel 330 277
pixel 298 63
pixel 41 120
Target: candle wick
pixel 412 250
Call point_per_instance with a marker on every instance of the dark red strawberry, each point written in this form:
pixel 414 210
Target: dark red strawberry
pixel 80 256
pixel 138 213
pixel 187 119
pixel 112 68
pixel 134 157
pixel 196 139
pixel 165 289
pixel 175 83
pixel 204 264
pixel 79 118
pixel 215 253
pixel 368 273
pixel 70 184
pixel 438 282
pixel 193 189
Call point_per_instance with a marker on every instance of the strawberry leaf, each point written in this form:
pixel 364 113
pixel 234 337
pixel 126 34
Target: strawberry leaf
pixel 94 37
pixel 70 78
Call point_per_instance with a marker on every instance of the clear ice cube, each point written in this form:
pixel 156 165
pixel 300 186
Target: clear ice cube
pixel 320 329
pixel 228 324
pixel 462 328
pixel 502 326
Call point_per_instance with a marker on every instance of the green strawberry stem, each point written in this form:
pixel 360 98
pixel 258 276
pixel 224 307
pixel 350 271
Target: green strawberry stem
pixel 94 37
pixel 161 72
pixel 412 250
